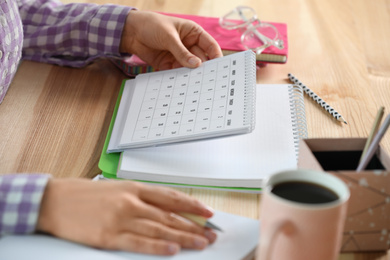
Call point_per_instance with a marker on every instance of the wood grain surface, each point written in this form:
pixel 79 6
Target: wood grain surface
pixel 55 119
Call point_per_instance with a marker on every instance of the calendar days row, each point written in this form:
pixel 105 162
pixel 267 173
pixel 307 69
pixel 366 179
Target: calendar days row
pixel 182 101
pixel 209 71
pixel 182 119
pixel 185 109
pixel 176 129
pixel 165 93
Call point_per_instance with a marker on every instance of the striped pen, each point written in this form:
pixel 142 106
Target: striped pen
pixel 317 99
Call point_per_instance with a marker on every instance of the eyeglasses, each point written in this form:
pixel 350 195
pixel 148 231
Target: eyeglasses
pixel 257 35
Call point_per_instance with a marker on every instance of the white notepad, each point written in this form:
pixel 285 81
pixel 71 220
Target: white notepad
pixel 213 100
pixel 241 161
pixel 238 241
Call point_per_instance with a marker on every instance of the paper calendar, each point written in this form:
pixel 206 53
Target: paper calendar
pixel 214 100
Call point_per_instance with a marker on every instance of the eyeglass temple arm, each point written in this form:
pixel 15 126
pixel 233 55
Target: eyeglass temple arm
pixel 262 37
pixel 242 15
pixel 250 26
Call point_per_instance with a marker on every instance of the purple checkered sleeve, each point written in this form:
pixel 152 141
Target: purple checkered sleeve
pixel 20 199
pixel 72 34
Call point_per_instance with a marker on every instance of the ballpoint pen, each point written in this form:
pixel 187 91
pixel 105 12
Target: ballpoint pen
pixel 374 144
pixel 199 220
pixel 373 131
pixel 316 98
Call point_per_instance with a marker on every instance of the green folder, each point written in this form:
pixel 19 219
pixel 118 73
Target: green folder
pixel 108 163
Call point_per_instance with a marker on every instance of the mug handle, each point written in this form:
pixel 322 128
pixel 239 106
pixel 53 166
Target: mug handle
pixel 267 240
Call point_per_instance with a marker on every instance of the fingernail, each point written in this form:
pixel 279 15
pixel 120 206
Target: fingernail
pixel 209 210
pixel 211 236
pixel 200 243
pixel 194 61
pixel 173 249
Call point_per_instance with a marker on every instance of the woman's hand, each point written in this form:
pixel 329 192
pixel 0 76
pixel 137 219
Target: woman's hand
pixel 122 215
pixel 167 42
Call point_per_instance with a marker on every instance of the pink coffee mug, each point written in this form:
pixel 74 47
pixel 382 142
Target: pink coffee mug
pixel 302 216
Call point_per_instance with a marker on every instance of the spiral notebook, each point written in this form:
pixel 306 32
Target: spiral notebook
pixel 180 105
pixel 236 163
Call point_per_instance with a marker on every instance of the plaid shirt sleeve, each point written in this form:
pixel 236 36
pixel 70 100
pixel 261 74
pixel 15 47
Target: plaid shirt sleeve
pixel 20 199
pixel 72 34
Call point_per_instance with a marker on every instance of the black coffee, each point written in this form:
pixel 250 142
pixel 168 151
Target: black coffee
pixel 304 192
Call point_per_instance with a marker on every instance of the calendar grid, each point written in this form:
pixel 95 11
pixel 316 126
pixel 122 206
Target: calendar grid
pixel 186 104
pixel 165 114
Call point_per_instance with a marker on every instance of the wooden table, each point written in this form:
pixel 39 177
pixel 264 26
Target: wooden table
pixel 54 119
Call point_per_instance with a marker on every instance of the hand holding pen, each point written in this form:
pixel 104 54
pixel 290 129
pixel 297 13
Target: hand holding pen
pixel 316 98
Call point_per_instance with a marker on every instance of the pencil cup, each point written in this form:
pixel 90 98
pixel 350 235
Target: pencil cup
pixel 367 226
pixel 302 216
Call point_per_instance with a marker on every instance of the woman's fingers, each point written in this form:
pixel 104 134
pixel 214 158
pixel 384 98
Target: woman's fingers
pixel 209 45
pixel 156 230
pixel 194 35
pixel 199 52
pixel 127 241
pixel 173 200
pixel 171 220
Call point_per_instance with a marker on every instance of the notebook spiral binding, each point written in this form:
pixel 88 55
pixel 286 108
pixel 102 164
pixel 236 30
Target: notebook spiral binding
pixel 298 115
pixel 250 90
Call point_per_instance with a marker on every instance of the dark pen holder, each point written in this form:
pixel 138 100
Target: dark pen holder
pixel 367 227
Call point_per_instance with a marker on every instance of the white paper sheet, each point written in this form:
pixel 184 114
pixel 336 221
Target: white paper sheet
pixel 238 241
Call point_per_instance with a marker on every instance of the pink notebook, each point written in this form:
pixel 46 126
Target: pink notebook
pixel 229 40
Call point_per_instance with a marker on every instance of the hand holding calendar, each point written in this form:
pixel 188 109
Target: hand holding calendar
pixel 171 42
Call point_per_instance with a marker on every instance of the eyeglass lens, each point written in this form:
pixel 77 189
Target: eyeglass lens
pixel 260 36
